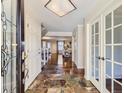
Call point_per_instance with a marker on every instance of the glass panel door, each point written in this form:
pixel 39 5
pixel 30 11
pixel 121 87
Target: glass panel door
pixel 8 46
pixel 95 52
pixel 113 51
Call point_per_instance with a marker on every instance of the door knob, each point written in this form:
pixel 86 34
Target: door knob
pixel 98 57
pixel 102 58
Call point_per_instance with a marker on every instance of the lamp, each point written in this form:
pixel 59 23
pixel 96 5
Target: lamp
pixel 60 7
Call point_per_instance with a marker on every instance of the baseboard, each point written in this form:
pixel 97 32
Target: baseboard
pixel 33 81
pixel 80 71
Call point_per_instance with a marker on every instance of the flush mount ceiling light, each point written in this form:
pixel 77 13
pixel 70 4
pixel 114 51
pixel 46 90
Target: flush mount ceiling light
pixel 60 7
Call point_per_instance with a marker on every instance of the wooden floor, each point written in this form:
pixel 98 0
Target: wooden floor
pixel 60 79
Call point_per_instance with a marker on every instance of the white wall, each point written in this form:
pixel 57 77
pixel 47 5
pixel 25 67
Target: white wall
pixel 32 46
pixel 80 47
pixel 77 49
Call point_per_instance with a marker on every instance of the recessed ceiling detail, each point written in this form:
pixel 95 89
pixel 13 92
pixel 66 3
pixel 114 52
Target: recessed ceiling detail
pixel 60 7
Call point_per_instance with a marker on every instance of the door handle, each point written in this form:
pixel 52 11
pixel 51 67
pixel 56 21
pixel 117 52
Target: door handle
pixel 24 55
pixel 27 73
pixel 102 58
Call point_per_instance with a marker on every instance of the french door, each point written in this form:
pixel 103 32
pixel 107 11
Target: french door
pixel 95 53
pixel 113 50
pixel 106 51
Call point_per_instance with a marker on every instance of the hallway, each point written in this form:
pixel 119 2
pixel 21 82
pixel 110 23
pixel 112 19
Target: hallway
pixel 61 46
pixel 60 79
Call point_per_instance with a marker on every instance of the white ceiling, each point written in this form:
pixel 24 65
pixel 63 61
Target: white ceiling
pixel 60 24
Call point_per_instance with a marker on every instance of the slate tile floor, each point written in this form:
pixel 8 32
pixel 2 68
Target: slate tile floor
pixel 57 79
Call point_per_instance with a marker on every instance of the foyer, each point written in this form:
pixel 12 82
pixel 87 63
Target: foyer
pixel 61 46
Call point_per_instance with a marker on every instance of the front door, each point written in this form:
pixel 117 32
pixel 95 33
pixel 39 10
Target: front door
pixel 11 46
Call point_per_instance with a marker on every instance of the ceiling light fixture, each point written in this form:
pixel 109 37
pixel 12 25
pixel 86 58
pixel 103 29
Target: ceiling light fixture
pixel 60 7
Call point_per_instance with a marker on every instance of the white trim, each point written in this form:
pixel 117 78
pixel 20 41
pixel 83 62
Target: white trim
pixel 117 82
pixel 112 54
pixel 87 64
pixel 118 63
pixel 108 29
pixel 112 44
pixel 123 47
pixel 118 25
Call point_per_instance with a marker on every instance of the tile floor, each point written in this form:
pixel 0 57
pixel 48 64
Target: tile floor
pixel 58 79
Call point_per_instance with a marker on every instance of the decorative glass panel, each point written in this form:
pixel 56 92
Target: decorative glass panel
pixel 118 53
pixel 108 21
pixel 7 8
pixel 108 37
pixel 8 46
pixel 118 16
pixel 118 35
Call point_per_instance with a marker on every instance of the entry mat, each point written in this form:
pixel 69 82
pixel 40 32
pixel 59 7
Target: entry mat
pixel 56 83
